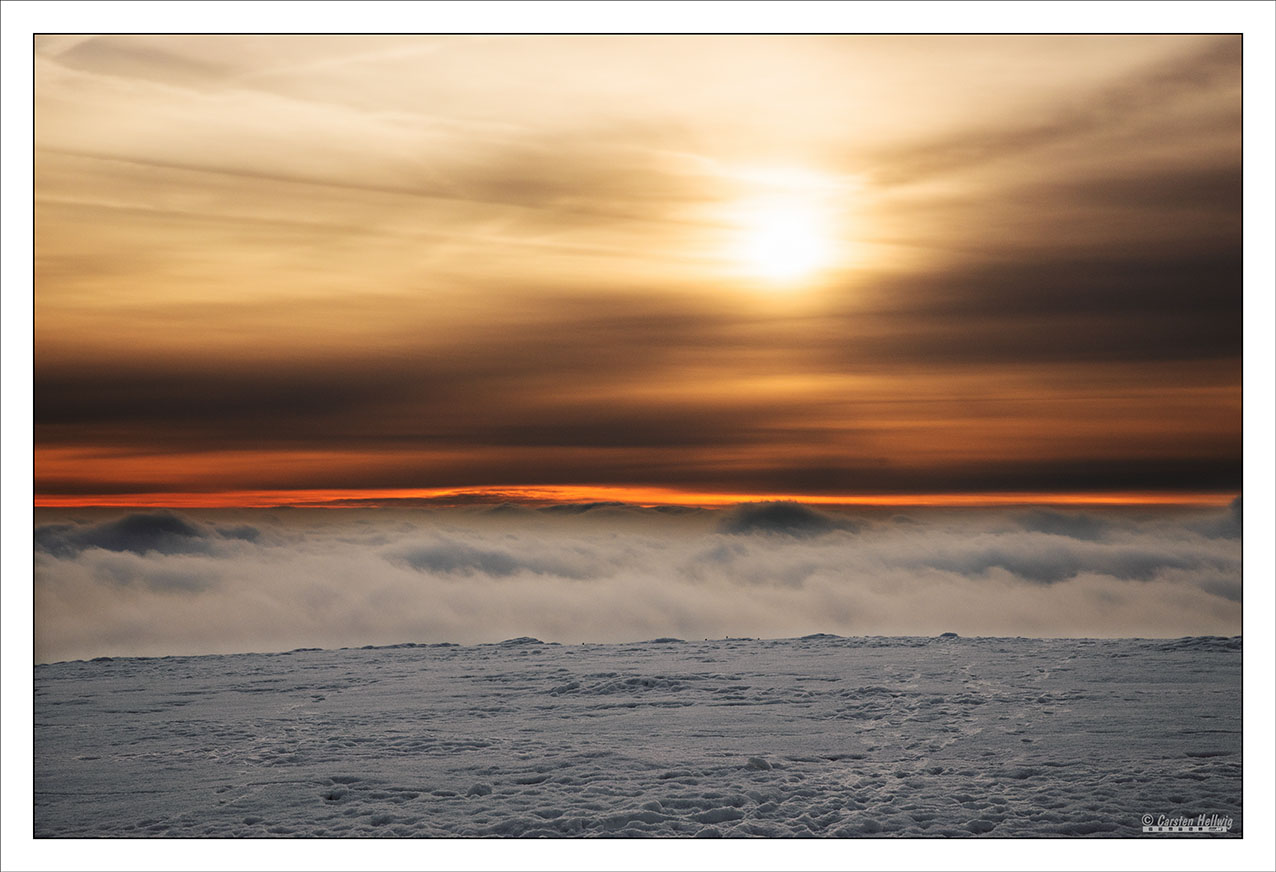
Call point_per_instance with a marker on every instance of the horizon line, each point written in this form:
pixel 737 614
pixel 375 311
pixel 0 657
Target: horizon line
pixel 639 496
pixel 946 636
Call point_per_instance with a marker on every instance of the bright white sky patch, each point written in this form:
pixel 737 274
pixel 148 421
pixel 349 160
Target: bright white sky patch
pixel 784 240
pixel 788 224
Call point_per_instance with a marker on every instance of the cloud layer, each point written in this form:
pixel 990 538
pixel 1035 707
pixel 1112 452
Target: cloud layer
pixel 163 583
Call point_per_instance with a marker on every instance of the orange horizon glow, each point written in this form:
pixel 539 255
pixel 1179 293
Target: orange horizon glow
pixel 638 496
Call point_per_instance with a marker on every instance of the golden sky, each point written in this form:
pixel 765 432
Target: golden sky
pixel 817 266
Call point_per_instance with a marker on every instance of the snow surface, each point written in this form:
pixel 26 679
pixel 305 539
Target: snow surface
pixel 818 736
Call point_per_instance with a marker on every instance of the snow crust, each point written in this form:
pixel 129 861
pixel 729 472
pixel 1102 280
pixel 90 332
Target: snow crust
pixel 820 736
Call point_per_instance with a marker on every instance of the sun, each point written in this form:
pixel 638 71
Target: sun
pixel 785 226
pixel 784 241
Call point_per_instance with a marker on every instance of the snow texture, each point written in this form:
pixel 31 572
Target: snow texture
pixel 819 736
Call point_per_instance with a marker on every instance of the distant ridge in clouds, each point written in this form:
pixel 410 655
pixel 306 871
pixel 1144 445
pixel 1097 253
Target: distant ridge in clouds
pixel 784 518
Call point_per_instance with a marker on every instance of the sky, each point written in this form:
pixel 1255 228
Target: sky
pixel 670 269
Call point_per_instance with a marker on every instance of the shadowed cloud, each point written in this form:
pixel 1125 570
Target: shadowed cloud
pixel 162 532
pixel 1230 526
pixel 1074 526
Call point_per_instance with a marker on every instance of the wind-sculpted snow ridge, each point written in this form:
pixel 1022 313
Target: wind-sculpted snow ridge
pixel 819 736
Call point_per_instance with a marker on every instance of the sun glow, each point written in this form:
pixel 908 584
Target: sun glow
pixel 785 232
pixel 784 242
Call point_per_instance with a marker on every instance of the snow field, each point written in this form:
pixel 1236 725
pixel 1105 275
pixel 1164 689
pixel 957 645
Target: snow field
pixel 822 736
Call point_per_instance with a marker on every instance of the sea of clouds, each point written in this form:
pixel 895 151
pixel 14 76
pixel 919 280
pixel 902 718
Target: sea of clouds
pixel 152 583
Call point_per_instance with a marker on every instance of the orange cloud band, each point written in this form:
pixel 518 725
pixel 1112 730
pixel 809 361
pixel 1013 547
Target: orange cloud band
pixel 602 493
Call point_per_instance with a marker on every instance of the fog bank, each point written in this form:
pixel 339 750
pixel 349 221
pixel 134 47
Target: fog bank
pixel 159 583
